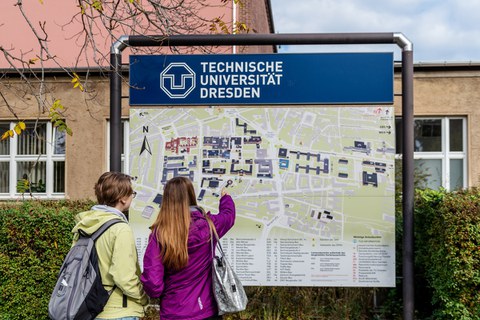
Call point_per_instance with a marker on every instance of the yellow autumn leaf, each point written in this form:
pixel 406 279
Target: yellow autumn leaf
pixel 32 61
pixel 17 129
pixel 76 81
pixel 82 9
pixel 22 125
pixel 97 5
pixel 7 134
pixel 57 105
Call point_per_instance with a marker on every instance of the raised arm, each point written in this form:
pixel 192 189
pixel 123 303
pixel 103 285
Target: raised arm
pixel 225 219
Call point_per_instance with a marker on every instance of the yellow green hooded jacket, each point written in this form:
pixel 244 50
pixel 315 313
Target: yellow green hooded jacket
pixel 118 263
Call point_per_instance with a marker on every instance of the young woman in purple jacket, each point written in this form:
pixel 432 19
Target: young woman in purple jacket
pixel 177 266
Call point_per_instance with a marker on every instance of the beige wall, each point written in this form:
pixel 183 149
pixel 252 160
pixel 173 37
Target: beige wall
pixel 450 93
pixel 442 93
pixel 435 94
pixel 438 91
pixel 85 149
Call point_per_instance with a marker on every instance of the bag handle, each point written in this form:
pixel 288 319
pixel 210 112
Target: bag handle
pixel 213 231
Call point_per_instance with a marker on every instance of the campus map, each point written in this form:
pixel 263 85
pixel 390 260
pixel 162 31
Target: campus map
pixel 313 186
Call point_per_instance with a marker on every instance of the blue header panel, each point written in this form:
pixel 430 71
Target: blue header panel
pixel 255 79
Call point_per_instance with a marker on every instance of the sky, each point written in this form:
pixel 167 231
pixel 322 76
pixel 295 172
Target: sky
pixel 440 30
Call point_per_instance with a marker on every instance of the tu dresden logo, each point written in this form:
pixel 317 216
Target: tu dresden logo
pixel 177 80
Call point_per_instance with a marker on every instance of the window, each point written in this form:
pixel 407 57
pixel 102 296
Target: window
pixel 33 162
pixel 440 150
pixel 125 146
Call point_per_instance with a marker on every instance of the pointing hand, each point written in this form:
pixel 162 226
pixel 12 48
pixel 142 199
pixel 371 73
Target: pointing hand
pixel 224 192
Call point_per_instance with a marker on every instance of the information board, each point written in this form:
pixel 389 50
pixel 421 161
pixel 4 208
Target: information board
pixel 313 186
pixel 257 79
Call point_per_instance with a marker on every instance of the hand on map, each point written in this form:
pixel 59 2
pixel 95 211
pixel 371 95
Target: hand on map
pixel 224 192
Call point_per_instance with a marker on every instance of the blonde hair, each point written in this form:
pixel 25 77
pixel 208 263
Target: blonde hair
pixel 173 222
pixel 113 186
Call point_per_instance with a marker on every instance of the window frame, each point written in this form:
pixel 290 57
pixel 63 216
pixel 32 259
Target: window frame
pixel 445 155
pixel 13 158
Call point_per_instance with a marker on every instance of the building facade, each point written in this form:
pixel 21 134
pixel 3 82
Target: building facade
pixel 446 101
pixel 447 139
pixel 48 164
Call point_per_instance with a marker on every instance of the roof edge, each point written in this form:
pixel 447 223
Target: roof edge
pixel 96 71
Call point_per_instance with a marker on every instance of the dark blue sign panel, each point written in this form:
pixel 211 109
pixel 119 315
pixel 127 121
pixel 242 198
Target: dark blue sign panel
pixel 253 79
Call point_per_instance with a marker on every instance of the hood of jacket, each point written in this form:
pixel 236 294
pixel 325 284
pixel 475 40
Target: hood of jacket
pixel 90 221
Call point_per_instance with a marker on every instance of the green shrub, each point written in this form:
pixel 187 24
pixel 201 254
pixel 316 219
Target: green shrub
pixel 293 303
pixel 34 238
pixel 450 252
pixel 298 303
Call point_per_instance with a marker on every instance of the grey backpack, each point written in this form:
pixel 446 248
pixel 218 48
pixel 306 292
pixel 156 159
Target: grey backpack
pixel 79 293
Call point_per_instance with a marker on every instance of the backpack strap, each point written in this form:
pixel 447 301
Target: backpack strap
pixel 97 234
pixel 94 236
pixel 104 228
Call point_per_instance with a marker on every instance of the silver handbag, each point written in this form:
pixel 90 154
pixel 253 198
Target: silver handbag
pixel 227 288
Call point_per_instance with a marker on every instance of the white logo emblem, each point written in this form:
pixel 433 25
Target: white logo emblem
pixel 177 80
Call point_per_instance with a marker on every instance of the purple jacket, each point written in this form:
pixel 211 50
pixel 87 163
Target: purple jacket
pixel 187 293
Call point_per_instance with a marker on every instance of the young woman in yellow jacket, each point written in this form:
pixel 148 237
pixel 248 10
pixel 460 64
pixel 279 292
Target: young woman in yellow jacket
pixel 116 249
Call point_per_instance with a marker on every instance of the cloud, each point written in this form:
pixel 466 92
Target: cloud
pixel 444 30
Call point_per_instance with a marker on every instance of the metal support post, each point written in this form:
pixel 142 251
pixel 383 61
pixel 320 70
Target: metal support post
pixel 116 138
pixel 408 186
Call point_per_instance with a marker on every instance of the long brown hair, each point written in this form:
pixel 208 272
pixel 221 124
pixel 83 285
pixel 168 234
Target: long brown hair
pixel 173 222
